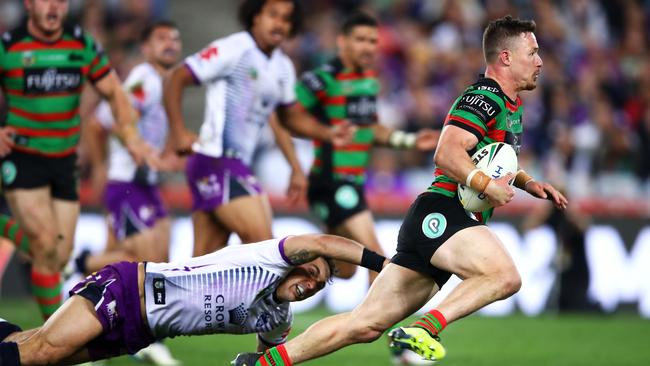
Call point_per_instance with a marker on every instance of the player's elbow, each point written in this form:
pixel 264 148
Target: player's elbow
pixel 442 156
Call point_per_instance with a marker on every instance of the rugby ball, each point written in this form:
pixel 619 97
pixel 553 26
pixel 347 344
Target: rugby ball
pixel 495 160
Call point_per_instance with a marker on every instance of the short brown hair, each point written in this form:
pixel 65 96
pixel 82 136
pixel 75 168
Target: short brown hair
pixel 500 31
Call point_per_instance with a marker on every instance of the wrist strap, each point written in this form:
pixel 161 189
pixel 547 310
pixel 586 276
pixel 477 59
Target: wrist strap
pixel 477 180
pixel 372 260
pixel 521 179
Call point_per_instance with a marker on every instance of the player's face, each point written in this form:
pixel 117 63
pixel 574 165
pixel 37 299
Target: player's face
pixel 526 62
pixel 360 46
pixel 47 15
pixel 273 24
pixel 304 281
pixel 163 46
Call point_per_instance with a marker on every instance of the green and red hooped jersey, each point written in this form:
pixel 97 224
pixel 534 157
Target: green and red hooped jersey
pixel 332 94
pixel 485 111
pixel 42 83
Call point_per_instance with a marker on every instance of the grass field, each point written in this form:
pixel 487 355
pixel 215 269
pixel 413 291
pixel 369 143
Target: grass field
pixel 571 340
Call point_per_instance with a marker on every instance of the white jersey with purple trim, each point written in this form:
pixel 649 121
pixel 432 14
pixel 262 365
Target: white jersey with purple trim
pixel 244 86
pixel 228 291
pixel 144 87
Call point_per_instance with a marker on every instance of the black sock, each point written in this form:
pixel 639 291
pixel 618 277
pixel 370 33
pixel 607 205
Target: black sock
pixel 9 355
pixel 7 328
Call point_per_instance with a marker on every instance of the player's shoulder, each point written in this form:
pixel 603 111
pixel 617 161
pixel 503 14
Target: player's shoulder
pixel 143 71
pixel 236 43
pixel 488 87
pixel 317 78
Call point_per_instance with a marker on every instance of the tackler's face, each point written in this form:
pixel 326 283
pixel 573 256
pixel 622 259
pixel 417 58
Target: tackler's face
pixel 47 15
pixel 304 281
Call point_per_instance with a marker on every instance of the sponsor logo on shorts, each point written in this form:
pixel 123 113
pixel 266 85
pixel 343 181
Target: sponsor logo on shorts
pixel 434 225
pixel 159 291
pixel 8 172
pixel 209 186
pixel 346 197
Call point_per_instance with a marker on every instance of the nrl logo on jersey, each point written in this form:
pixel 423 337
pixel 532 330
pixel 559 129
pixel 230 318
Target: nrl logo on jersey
pixel 29 58
pixel 52 80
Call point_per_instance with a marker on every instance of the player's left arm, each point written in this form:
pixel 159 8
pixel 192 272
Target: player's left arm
pixel 301 249
pixel 297 182
pixel 426 139
pixel 541 190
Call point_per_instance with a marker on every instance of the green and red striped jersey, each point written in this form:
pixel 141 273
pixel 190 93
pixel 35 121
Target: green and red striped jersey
pixel 485 111
pixel 333 93
pixel 42 84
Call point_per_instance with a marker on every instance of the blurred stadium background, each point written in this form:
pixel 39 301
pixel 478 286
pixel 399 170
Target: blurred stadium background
pixel 587 129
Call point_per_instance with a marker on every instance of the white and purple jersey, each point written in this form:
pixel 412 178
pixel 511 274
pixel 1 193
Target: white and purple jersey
pixel 144 87
pixel 244 86
pixel 228 291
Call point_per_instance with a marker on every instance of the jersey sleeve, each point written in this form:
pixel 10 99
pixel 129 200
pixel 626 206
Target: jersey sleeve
pixel 99 65
pixel 310 90
pixel 270 255
pixel 214 61
pixel 474 111
pixel 104 115
pixel 277 335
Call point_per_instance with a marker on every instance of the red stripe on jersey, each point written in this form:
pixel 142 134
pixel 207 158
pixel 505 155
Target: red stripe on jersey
pixel 337 121
pixel 45 117
pixel 438 171
pixel 491 123
pixel 452 187
pixel 59 154
pixel 513 107
pixel 321 95
pixel 318 143
pixel 479 216
pixel 15 73
pixel 335 100
pixel 467 123
pixel 21 93
pixel 34 45
pixel 497 135
pixel 355 147
pixel 99 73
pixel 348 76
pixel 47 133
pixel 95 61
pixel 349 170
pixel 317 162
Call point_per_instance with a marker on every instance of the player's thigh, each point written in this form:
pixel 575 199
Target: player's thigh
pixel 32 208
pixel 209 234
pixel 396 293
pixel 360 227
pixel 473 251
pixel 64 334
pixel 248 217
pixel 66 214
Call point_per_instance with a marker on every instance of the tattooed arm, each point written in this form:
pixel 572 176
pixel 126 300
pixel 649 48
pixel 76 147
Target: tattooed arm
pixel 305 248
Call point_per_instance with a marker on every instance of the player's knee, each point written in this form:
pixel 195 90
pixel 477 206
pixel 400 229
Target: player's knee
pixel 510 282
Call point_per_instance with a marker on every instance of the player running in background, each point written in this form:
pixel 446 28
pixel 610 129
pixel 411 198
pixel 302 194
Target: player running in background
pixel 43 66
pixel 236 290
pixel 346 89
pixel 438 237
pixel 248 77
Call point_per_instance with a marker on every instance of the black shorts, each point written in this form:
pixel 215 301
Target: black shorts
pixel 21 170
pixel 430 221
pixel 333 202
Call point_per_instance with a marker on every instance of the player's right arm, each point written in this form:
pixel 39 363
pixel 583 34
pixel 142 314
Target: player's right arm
pixel 464 127
pixel 181 138
pixel 301 249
